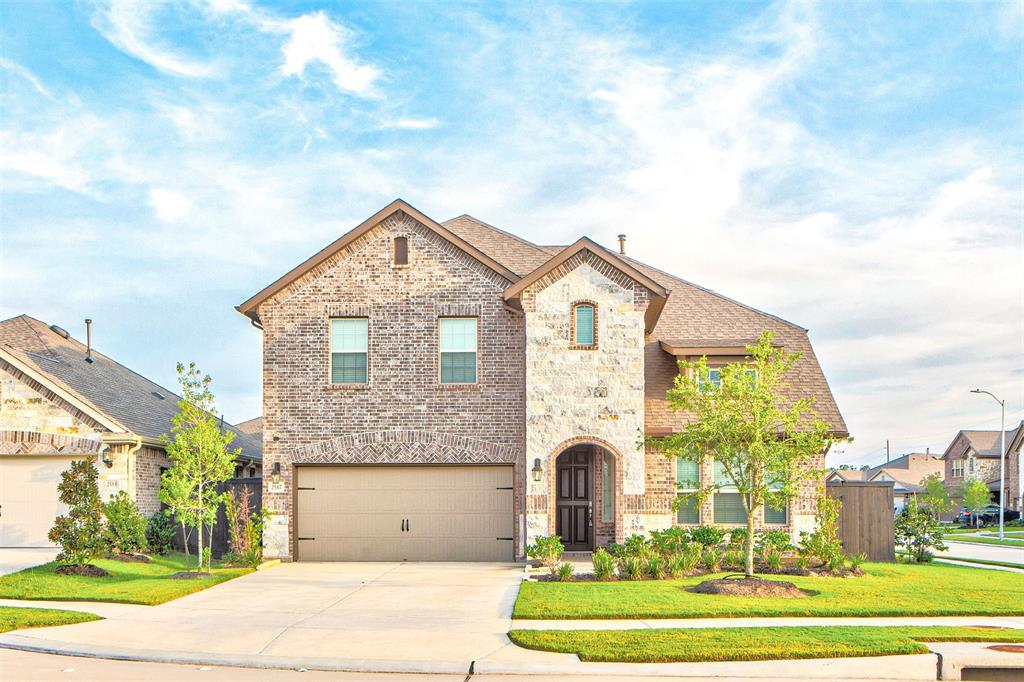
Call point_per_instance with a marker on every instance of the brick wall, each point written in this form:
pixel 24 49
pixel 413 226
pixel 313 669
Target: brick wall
pixel 148 462
pixel 306 419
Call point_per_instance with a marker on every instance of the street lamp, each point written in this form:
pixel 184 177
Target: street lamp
pixel 1002 456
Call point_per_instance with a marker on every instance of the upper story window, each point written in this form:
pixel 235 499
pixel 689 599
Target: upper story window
pixel 401 251
pixel 714 379
pixel 348 350
pixel 958 468
pixel 584 325
pixel 458 350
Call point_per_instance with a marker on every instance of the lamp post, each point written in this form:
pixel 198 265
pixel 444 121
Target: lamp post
pixel 1002 456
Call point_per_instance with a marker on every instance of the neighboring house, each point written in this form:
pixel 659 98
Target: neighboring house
pixel 61 401
pixel 840 475
pixel 905 472
pixel 975 454
pixel 449 391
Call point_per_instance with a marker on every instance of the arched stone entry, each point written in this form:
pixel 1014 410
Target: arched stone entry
pixel 585 494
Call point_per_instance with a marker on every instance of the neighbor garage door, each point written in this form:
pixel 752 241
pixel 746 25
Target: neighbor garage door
pixel 404 513
pixel 28 499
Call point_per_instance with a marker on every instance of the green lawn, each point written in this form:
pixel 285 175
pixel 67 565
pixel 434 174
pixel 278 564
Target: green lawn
pixel 887 590
pixel 750 644
pixel 983 562
pixel 1008 542
pixel 130 583
pixel 16 618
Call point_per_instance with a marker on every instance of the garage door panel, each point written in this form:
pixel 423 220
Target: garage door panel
pixel 356 513
pixel 29 499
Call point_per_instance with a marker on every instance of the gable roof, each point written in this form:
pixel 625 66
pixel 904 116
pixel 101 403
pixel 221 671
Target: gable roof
pixel 121 400
pixel 519 255
pixel 847 474
pixel 985 443
pixel 585 244
pixel 249 307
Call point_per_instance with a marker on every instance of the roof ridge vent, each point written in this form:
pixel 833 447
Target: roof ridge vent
pixel 60 331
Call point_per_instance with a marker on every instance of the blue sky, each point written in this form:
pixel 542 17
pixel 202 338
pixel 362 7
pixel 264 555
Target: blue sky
pixel 853 167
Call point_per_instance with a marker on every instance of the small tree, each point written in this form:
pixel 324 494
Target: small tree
pixel 245 528
pixel 763 441
pixel 823 542
pixel 936 497
pixel 176 491
pixel 80 532
pixel 917 530
pixel 975 496
pixel 126 526
pixel 200 457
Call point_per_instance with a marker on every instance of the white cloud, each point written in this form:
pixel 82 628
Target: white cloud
pixel 169 206
pixel 412 123
pixel 129 26
pixel 22 72
pixel 315 38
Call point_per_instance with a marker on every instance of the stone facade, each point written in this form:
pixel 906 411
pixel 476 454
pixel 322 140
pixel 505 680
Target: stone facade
pixel 26 405
pixel 307 419
pixel 983 469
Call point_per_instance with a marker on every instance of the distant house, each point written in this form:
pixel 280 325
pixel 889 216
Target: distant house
pixel 906 474
pixel 975 455
pixel 61 401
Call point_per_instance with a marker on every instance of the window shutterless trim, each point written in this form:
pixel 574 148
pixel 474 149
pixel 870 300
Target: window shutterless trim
pixel 331 353
pixel 689 503
pixel 573 344
pixel 475 352
pixel 400 252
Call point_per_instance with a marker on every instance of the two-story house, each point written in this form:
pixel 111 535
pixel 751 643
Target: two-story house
pixel 449 391
pixel 975 455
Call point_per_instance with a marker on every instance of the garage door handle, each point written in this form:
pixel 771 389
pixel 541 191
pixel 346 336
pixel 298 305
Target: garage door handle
pixel 407 525
pixel 403 525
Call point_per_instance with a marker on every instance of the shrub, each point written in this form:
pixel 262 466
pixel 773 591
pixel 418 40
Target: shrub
pixel 710 557
pixel 773 559
pixel 917 531
pixel 823 544
pixel 245 529
pixel 773 539
pixel 565 572
pixel 803 561
pixel 637 545
pixel 737 537
pixel 690 557
pixel 656 566
pixel 709 536
pixel 80 532
pixel 159 533
pixel 604 564
pixel 547 549
pixel 126 526
pixel 857 559
pixel 631 568
pixel 677 565
pixel 670 541
pixel 733 557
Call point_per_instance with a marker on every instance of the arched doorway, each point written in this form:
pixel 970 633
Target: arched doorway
pixel 584 509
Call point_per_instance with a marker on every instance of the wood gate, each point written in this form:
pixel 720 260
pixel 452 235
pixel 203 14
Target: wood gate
pixel 866 517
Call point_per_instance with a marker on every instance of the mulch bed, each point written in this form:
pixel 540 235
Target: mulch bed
pixel 130 558
pixel 83 569
pixel 189 575
pixel 749 587
pixel 1007 648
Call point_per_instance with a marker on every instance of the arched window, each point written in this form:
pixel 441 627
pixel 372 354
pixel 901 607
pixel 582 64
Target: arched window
pixel 401 250
pixel 584 325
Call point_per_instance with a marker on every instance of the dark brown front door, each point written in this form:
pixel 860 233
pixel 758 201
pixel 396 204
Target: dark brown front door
pixel 574 482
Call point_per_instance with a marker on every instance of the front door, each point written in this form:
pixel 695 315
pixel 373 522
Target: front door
pixel 573 510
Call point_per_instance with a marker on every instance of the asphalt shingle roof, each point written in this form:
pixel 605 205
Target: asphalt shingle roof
pixel 129 398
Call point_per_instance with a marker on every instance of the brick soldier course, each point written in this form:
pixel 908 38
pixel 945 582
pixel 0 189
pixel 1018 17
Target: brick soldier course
pixel 538 392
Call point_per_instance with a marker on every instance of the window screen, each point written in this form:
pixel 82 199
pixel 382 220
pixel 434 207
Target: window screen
pixel 458 350
pixel 348 350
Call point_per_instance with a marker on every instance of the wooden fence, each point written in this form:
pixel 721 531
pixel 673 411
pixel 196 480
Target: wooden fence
pixel 219 546
pixel 866 518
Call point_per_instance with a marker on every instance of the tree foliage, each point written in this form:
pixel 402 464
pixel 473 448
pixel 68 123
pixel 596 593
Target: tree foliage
pixel 126 526
pixel 936 497
pixel 200 456
pixel 918 531
pixel 764 442
pixel 974 495
pixel 79 532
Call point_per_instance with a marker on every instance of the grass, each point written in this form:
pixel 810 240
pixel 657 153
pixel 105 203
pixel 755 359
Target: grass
pixel 1013 535
pixel 751 644
pixel 1009 542
pixel 128 583
pixel 886 590
pixel 983 562
pixel 17 618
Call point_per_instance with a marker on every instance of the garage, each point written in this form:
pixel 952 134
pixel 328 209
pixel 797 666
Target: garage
pixel 404 513
pixel 28 499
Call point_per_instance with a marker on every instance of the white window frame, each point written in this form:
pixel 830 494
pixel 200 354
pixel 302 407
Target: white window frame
pixel 957 468
pixel 476 351
pixel 331 352
pixel 683 491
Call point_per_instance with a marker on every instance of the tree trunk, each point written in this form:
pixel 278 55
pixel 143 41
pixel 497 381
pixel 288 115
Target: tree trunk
pixel 184 537
pixel 199 530
pixel 750 544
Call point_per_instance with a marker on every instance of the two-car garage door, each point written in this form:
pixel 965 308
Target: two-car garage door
pixel 404 513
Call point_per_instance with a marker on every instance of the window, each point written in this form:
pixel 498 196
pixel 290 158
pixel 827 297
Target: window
pixel 773 515
pixel 607 487
pixel 348 350
pixel 583 325
pixel 958 468
pixel 727 501
pixel 714 379
pixel 687 480
pixel 458 350
pixel 401 250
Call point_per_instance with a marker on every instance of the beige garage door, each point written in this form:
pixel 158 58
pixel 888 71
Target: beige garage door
pixel 404 513
pixel 28 499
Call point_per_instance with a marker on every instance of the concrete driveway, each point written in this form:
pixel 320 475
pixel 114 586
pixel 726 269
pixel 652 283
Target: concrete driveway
pixel 14 559
pixel 422 617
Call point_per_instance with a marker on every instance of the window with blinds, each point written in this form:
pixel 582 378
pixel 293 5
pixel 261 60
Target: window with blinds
pixel 349 350
pixel 458 350
pixel 583 325
pixel 687 480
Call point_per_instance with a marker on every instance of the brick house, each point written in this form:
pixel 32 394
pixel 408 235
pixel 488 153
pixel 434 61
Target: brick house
pixel 61 400
pixel 975 455
pixel 451 391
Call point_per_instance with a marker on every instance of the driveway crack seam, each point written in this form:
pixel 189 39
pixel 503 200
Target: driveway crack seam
pixel 331 605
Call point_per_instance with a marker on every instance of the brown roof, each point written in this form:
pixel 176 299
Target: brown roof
pixel 516 253
pixel 987 443
pixel 125 401
pixel 910 468
pixel 252 426
pixel 847 474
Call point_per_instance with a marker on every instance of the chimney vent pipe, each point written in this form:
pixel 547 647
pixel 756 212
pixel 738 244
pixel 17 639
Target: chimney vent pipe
pixel 88 340
pixel 622 245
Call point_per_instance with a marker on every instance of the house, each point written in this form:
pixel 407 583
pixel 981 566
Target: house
pixel 975 455
pixel 907 473
pixel 450 391
pixel 62 400
pixel 842 475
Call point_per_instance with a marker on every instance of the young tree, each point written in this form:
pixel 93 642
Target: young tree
pixel 763 441
pixel 200 457
pixel 918 532
pixel 80 532
pixel 936 497
pixel 975 496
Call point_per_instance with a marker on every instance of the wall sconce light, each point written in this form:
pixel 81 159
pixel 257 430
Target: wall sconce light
pixel 275 474
pixel 537 470
pixel 107 459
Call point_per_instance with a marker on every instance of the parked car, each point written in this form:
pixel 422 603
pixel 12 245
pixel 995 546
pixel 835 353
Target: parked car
pixel 988 516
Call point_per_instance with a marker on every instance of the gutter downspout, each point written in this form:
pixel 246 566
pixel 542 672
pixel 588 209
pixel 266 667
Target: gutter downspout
pixel 132 484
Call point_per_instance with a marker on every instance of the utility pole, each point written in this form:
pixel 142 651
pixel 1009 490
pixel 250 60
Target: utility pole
pixel 886 450
pixel 1002 458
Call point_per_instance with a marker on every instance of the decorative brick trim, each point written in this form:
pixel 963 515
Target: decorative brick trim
pixel 404 447
pixel 38 443
pixel 458 309
pixel 337 310
pixel 549 504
